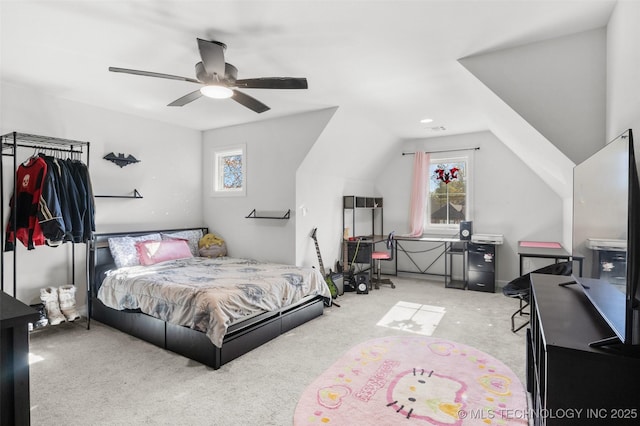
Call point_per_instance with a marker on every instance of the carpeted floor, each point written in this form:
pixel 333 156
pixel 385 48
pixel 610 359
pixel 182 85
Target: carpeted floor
pixel 413 317
pixel 104 377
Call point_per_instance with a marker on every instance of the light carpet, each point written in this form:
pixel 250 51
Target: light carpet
pixel 414 380
pixel 413 317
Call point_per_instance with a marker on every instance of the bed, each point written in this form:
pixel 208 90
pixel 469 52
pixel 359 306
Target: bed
pixel 209 310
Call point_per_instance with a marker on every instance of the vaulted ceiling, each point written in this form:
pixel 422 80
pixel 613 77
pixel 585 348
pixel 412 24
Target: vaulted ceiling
pixel 395 62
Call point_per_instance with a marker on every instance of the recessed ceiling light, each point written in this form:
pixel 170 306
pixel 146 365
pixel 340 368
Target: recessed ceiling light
pixel 426 120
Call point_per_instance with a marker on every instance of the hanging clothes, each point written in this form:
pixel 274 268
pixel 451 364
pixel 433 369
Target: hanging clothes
pixel 54 203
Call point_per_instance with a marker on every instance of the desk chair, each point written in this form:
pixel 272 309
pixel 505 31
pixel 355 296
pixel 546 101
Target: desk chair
pixel 383 255
pixel 520 288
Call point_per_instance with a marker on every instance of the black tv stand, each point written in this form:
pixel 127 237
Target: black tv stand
pixel 613 342
pixel 565 373
pixel 615 346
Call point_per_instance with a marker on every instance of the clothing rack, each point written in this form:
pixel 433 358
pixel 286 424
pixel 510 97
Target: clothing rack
pixel 10 143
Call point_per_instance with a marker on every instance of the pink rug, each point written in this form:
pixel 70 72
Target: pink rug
pixel 414 380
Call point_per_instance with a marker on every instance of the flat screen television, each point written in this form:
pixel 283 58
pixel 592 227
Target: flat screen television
pixel 606 233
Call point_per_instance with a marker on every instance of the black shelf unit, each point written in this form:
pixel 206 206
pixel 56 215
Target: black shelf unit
pixel 572 383
pixel 353 203
pixel 481 265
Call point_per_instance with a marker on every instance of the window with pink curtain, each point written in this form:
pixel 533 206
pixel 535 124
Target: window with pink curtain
pixel 439 192
pixel 418 193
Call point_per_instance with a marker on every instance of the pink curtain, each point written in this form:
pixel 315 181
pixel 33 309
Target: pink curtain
pixel 419 193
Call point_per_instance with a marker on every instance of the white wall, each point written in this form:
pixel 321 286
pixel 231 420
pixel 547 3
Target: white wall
pixel 509 198
pixel 168 177
pixel 623 70
pixel 349 154
pixel 274 151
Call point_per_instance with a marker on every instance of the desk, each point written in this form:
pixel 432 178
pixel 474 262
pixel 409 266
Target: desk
pixel 546 250
pixel 446 243
pixel 14 360
pixel 359 251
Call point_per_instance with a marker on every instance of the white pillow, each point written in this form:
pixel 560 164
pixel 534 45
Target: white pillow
pixel 123 249
pixel 191 236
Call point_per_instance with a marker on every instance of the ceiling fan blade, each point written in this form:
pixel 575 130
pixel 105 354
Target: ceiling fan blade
pixel 153 74
pixel 250 102
pixel 190 97
pixel 272 83
pixel 212 54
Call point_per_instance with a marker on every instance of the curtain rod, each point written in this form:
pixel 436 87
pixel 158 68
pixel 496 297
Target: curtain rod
pixel 444 150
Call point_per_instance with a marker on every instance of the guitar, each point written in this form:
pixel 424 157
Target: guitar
pixel 327 277
pixel 347 271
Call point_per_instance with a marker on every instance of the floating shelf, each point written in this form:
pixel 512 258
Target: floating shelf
pixel 136 194
pixel 254 215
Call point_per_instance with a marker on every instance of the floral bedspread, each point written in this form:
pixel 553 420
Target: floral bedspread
pixel 209 294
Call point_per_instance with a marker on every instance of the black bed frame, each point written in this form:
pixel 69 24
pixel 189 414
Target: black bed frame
pixel 241 337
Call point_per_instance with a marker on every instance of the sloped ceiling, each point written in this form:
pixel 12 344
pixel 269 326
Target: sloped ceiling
pixel 558 86
pixel 546 101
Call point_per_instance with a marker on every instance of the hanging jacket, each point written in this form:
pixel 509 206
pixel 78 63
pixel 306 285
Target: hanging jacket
pixel 67 198
pixel 24 205
pixel 49 211
pixel 80 173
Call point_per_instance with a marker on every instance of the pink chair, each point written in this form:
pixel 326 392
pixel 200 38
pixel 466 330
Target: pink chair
pixel 383 255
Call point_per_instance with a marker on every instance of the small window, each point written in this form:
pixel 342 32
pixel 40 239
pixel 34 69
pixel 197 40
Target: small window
pixel 229 176
pixel 449 190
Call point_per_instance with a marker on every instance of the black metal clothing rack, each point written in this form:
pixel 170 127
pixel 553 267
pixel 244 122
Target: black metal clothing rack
pixel 10 144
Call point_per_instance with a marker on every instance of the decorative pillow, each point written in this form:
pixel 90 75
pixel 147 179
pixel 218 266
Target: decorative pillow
pixel 192 237
pixel 152 252
pixel 212 246
pixel 123 249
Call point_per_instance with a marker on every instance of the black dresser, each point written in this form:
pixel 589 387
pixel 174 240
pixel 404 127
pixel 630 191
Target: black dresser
pixel 14 360
pixel 572 383
pixel 481 266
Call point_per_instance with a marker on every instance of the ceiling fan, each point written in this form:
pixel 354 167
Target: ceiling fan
pixel 219 79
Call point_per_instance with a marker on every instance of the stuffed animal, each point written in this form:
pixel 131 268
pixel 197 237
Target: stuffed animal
pixel 211 245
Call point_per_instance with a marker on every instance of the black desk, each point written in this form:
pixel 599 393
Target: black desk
pixel 546 250
pixel 448 245
pixel 14 360
pixel 359 251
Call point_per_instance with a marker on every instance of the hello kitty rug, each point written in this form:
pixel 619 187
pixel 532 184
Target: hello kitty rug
pixel 414 380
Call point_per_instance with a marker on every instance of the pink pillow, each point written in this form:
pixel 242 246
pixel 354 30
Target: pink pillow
pixel 152 252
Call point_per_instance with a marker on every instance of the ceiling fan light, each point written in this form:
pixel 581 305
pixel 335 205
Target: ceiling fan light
pixel 217 92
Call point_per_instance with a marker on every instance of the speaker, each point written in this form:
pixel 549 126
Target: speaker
pixel 466 229
pixel 362 283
